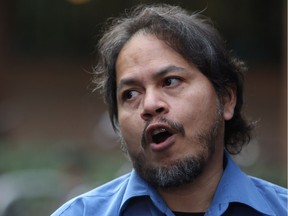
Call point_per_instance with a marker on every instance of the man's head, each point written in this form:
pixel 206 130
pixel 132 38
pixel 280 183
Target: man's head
pixel 167 76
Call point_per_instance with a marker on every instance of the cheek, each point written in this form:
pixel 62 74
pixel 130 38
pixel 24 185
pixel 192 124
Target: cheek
pixel 201 110
pixel 130 127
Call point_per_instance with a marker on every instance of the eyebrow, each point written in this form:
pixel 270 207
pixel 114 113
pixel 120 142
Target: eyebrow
pixel 166 70
pixel 160 73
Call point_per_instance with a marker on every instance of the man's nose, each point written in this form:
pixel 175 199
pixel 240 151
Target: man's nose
pixel 153 104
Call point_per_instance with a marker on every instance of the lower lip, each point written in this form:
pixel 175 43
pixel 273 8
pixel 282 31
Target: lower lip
pixel 163 145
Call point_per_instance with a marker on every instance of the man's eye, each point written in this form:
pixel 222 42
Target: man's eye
pixel 129 94
pixel 171 81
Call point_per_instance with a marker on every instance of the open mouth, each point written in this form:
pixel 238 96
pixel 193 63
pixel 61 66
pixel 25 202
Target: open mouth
pixel 160 135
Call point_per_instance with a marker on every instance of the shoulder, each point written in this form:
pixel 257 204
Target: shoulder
pixel 97 200
pixel 274 195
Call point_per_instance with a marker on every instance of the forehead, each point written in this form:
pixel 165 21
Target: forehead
pixel 145 53
pixel 136 49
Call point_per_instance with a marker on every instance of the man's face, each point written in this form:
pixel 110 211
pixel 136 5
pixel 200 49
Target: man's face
pixel 169 114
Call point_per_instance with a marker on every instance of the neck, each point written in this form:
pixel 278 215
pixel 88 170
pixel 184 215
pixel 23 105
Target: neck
pixel 197 195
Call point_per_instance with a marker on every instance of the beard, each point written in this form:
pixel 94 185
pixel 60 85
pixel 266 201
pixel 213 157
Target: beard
pixel 179 171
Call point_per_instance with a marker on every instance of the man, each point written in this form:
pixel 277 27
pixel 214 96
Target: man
pixel 175 95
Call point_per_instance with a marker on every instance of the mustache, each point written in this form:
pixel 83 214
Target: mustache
pixel 176 126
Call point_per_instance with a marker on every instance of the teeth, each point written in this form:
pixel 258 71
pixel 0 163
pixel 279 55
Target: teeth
pixel 157 131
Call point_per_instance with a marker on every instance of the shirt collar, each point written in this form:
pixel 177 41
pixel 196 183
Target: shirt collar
pixel 137 187
pixel 236 186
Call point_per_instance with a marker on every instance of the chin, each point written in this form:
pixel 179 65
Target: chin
pixel 170 173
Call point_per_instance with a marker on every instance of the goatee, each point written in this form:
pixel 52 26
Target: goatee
pixel 178 171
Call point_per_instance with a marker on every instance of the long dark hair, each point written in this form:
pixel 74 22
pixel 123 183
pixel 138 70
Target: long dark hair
pixel 191 35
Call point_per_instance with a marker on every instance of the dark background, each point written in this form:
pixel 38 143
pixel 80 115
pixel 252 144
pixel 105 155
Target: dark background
pixel 55 136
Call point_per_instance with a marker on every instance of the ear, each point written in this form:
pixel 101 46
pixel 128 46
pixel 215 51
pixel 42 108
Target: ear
pixel 229 101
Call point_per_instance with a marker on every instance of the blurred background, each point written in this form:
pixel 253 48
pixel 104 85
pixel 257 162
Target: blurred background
pixel 55 136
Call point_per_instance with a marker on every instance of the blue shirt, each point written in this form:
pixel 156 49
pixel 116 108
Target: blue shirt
pixel 237 195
